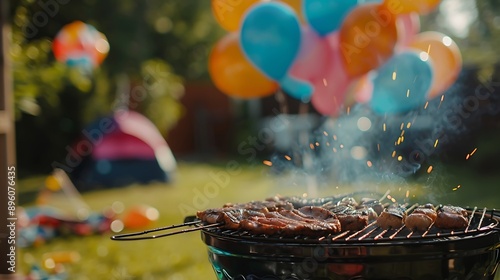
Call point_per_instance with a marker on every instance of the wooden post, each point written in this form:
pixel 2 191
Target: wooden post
pixel 7 149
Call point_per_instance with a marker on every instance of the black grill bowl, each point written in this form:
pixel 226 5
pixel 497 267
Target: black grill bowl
pixel 456 256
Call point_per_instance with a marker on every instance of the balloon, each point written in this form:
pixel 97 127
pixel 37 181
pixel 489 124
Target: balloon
pixel 313 58
pixel 297 7
pixel 408 26
pixel 52 183
pixel 140 216
pixel 270 39
pixel 401 84
pixel 363 89
pixel 367 38
pixel 326 16
pixel 233 74
pixel 80 44
pixel 229 13
pixel 331 87
pixel 407 6
pixel 445 56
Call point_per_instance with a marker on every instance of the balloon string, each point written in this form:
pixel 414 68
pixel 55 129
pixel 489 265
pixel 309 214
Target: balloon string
pixel 280 97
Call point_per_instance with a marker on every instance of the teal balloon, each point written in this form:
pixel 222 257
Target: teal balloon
pixel 270 38
pixel 401 84
pixel 326 16
pixel 297 89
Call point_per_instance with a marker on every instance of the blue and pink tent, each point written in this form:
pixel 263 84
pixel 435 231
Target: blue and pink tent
pixel 129 150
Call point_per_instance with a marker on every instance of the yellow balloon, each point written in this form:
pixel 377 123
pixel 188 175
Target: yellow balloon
pixel 229 13
pixel 52 183
pixel 407 6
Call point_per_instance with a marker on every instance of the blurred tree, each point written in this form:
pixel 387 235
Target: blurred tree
pixel 155 46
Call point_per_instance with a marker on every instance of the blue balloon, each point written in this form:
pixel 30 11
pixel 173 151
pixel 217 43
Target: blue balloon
pixel 270 38
pixel 326 16
pixel 297 89
pixel 401 84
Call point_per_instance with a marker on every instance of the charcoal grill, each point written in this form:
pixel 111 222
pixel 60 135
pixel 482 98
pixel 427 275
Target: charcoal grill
pixel 371 253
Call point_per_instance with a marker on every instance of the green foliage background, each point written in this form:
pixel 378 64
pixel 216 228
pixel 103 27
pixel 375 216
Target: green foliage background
pixel 156 47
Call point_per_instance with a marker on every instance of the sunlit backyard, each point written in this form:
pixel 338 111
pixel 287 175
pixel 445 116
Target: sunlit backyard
pixel 111 108
pixel 184 256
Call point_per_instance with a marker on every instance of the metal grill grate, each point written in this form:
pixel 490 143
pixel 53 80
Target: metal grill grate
pixel 480 221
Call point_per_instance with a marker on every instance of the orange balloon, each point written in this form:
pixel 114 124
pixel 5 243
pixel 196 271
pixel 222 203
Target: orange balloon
pixel 229 13
pixel 368 36
pixel 233 74
pixel 140 216
pixel 445 56
pixel 297 7
pixel 407 6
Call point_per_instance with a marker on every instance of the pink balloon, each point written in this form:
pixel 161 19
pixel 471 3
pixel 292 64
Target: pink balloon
pixel 363 89
pixel 330 87
pixel 408 26
pixel 312 60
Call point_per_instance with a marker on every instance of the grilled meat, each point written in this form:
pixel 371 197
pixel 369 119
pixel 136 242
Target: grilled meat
pixel 451 217
pixel 310 220
pixel 350 217
pixel 391 218
pixel 427 210
pixel 418 221
pixel 421 218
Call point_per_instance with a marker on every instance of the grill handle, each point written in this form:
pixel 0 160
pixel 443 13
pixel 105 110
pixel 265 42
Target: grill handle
pixel 147 234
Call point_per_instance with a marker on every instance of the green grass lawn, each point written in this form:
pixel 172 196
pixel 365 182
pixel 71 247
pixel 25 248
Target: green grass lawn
pixel 184 256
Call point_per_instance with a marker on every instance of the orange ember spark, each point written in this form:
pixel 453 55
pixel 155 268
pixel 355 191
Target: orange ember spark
pixel 288 157
pixel 471 154
pixel 369 163
pixel 311 146
pixel 325 133
pixel 429 170
pixel 268 163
